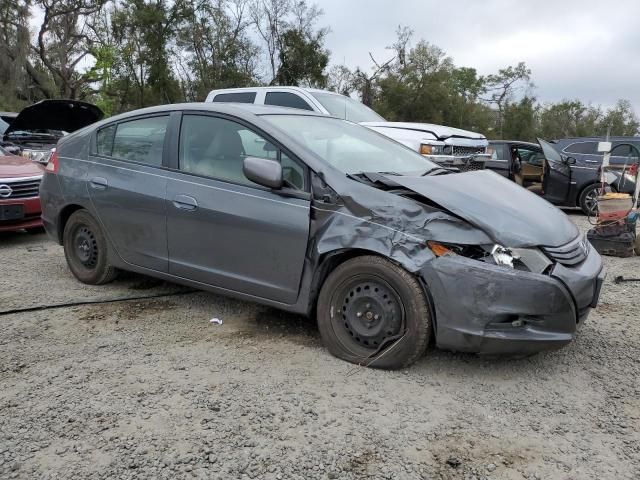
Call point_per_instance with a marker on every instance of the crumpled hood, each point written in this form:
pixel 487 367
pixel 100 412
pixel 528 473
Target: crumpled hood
pixel 511 215
pixel 67 115
pixel 440 131
pixel 12 166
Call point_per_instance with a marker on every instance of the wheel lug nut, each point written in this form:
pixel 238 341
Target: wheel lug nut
pixel 368 305
pixel 358 314
pixel 376 317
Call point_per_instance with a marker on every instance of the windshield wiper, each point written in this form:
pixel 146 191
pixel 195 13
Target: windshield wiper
pixel 435 169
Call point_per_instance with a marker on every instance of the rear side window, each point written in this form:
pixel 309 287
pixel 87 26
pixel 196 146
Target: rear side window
pixel 237 97
pixel 286 99
pixel 141 140
pixel 585 148
pixel 104 140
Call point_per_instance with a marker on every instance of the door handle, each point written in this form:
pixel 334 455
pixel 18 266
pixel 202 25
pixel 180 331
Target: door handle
pixel 98 183
pixel 185 202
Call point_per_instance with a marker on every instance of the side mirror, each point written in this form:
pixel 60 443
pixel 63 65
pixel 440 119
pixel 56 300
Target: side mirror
pixel 570 161
pixel 263 171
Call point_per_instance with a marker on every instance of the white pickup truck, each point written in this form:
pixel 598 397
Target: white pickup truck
pixel 447 146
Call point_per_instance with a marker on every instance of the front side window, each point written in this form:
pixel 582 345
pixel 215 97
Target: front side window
pixel 348 147
pixel 286 99
pixel 585 148
pixel 139 141
pixel 216 147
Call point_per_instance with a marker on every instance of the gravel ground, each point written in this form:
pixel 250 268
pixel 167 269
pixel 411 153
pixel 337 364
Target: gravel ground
pixel 148 388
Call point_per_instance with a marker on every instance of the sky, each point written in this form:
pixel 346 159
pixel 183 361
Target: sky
pixel 589 50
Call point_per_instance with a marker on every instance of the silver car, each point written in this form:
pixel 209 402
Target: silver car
pixel 320 216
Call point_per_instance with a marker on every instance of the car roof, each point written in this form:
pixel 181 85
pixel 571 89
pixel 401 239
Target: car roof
pixel 275 87
pixel 245 110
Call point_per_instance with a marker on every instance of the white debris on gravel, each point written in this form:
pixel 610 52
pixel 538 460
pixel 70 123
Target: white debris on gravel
pixel 145 389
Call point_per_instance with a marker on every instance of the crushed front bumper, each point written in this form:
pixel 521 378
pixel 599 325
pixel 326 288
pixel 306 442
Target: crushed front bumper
pixel 484 308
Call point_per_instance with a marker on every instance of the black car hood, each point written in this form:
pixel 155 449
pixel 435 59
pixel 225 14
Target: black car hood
pixel 66 115
pixel 509 214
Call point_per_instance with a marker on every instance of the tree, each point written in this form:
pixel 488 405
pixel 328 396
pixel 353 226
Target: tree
pixel 213 47
pixel 64 40
pixel 500 88
pixel 520 120
pixel 341 79
pixel 302 60
pixel 142 34
pixel 620 120
pixel 275 19
pixel 18 75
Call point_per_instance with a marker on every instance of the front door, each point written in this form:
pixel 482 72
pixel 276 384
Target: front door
pixel 224 230
pixel 127 188
pixel 557 175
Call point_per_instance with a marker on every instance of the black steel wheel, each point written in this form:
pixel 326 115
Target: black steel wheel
pixel 85 249
pixel 369 313
pixel 374 313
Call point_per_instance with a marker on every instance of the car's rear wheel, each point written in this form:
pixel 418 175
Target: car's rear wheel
pixel 374 313
pixel 86 249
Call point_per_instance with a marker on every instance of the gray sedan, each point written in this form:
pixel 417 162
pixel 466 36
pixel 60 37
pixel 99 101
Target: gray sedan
pixel 320 216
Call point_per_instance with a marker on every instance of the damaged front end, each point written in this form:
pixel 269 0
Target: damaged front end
pixel 508 277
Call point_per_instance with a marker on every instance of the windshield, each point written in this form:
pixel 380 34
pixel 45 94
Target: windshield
pixel 349 147
pixel 346 108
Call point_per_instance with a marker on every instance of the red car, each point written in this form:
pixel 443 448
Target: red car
pixel 19 198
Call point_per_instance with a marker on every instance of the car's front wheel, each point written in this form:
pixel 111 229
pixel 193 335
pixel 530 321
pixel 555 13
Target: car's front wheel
pixel 85 248
pixel 372 312
pixel 588 200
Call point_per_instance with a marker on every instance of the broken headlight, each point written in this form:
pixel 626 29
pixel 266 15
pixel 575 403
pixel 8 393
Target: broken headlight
pixel 532 259
pixel 526 259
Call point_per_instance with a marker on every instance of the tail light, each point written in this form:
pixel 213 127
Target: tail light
pixel 52 164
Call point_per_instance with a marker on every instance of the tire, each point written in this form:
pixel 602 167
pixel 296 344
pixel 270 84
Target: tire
pixel 636 247
pixel 586 197
pixel 388 322
pixel 86 250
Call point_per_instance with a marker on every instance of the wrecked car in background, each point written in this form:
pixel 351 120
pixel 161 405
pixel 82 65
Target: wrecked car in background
pixel 19 201
pixel 557 172
pixel 313 214
pixel 450 147
pixel 38 127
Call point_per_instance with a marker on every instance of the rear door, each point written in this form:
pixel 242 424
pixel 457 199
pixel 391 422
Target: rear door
pixel 224 230
pixel 127 186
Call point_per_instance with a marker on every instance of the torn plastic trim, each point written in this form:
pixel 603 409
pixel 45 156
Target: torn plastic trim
pixel 489 299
